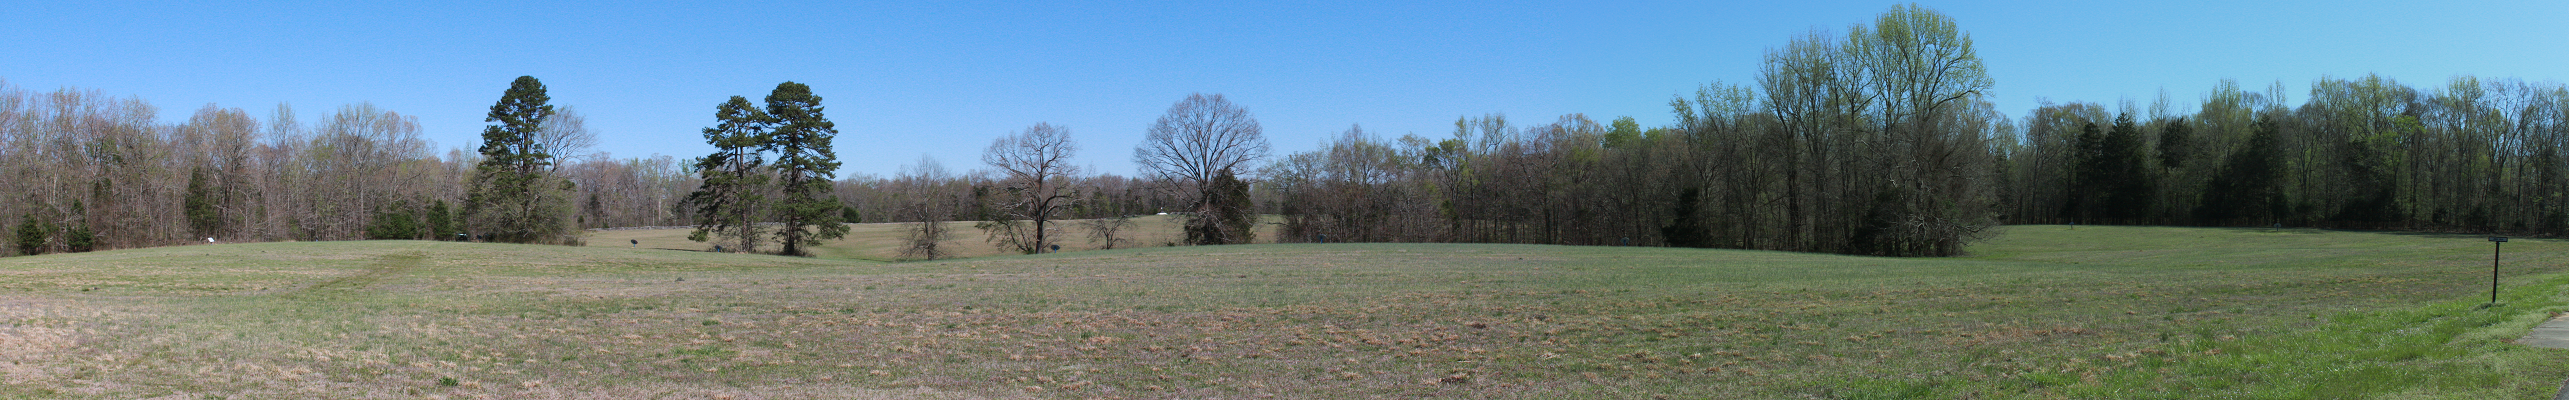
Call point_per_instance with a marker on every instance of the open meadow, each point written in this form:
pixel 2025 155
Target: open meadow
pixel 2035 312
pixel 883 241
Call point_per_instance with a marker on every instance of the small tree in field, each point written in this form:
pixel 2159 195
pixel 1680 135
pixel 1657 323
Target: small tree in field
pixel 921 241
pixel 928 207
pixel 1008 232
pixel 1107 232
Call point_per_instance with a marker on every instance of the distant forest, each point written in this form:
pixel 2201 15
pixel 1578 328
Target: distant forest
pixel 1874 140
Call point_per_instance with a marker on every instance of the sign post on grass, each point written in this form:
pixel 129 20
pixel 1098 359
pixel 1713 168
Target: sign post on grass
pixel 2497 249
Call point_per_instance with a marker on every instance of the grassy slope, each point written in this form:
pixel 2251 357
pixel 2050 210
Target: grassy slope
pixel 2041 312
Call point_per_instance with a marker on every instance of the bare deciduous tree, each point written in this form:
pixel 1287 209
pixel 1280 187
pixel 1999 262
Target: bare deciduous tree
pixel 566 135
pixel 1035 169
pixel 929 206
pixel 1200 139
pixel 1108 231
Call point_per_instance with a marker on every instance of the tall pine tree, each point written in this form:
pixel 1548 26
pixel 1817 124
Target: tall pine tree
pixel 513 198
pixel 2128 185
pixel 734 189
pixel 805 165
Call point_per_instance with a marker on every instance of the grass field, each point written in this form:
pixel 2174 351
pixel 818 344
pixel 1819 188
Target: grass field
pixel 2038 312
pixel 883 241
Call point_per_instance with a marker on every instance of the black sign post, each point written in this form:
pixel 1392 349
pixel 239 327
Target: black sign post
pixel 2497 249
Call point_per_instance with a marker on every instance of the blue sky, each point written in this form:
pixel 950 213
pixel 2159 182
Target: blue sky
pixel 943 79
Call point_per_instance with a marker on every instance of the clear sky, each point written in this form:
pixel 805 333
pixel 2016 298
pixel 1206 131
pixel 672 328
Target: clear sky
pixel 903 79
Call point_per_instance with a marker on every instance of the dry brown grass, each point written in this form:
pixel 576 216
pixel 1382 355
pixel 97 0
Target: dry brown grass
pixel 882 241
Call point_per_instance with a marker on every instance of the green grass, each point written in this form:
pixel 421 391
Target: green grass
pixel 2038 312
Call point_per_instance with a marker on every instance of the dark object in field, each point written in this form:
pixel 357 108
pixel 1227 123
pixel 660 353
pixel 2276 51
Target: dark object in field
pixel 2497 250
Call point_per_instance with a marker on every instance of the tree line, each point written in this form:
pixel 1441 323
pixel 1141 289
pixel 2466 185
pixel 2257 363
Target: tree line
pixel 89 171
pixel 1876 140
pixel 2470 155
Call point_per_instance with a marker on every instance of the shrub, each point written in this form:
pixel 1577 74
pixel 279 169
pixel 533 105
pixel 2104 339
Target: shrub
pixel 394 222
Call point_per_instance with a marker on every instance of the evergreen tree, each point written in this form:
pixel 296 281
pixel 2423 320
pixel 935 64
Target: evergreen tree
pixel 805 165
pixel 1225 215
pixel 441 221
pixel 204 215
pixel 2175 143
pixel 394 222
pixel 2128 187
pixel 80 239
pixel 513 199
pixel 77 238
pixel 1684 229
pixel 33 236
pixel 733 191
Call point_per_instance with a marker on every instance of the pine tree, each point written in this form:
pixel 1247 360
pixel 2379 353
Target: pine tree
pixel 2127 185
pixel 80 239
pixel 441 221
pixel 1683 229
pixel 513 198
pixel 33 235
pixel 2175 143
pixel 805 165
pixel 204 214
pixel 734 190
